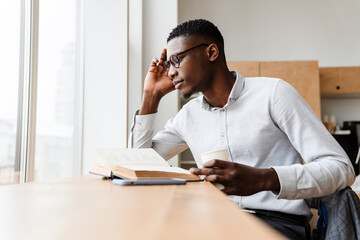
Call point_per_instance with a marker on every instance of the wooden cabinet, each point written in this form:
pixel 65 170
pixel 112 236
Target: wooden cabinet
pixel 339 80
pixel 302 75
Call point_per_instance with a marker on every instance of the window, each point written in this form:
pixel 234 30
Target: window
pixel 9 88
pixel 40 89
pixel 56 92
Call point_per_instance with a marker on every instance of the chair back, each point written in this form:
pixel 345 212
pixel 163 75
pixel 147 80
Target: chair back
pixel 342 212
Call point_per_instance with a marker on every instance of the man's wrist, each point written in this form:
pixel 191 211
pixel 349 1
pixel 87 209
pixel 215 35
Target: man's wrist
pixel 271 180
pixel 150 104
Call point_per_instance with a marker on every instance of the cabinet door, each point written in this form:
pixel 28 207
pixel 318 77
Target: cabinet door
pixel 302 75
pixel 246 68
pixel 339 80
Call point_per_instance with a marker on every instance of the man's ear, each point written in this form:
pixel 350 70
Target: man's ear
pixel 213 52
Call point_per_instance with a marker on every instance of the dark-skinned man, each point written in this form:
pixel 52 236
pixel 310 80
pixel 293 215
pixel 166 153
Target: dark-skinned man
pixel 267 128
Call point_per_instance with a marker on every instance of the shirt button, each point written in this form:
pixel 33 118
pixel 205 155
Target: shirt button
pixel 222 134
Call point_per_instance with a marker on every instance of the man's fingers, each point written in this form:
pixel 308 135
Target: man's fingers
pixel 205 171
pixel 154 62
pixel 217 163
pixel 216 179
pixel 163 57
pixel 195 171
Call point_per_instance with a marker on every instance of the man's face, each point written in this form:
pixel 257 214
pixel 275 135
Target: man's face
pixel 192 73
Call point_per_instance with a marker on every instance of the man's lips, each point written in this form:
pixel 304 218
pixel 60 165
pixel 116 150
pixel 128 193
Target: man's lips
pixel 178 83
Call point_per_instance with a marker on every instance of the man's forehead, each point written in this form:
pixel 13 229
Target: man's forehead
pixel 175 45
pixel 179 44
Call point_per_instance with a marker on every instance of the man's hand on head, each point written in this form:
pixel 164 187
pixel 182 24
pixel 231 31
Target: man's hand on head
pixel 156 85
pixel 239 179
pixel 157 81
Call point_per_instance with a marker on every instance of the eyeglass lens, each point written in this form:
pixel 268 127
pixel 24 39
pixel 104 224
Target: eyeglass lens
pixel 174 60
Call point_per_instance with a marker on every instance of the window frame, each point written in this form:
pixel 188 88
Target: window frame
pixel 26 121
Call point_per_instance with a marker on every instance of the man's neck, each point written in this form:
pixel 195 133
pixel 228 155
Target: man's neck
pixel 217 94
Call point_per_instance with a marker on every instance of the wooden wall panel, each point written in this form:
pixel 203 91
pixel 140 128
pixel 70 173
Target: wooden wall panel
pixel 247 69
pixel 302 75
pixel 339 80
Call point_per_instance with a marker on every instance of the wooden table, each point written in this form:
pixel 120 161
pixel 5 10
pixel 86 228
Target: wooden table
pixel 90 208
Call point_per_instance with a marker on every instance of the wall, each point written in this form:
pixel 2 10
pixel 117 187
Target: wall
pixel 324 30
pixel 136 62
pixel 345 109
pixel 105 77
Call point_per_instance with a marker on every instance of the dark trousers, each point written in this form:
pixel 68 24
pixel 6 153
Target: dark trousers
pixel 290 226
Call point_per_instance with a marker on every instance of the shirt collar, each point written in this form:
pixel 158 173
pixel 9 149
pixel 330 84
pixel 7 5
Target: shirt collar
pixel 234 94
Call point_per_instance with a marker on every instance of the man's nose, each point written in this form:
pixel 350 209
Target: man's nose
pixel 172 73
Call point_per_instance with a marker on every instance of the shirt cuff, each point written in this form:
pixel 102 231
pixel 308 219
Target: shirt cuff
pixel 288 182
pixel 144 122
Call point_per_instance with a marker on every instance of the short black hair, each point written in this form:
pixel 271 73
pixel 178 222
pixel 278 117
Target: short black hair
pixel 197 27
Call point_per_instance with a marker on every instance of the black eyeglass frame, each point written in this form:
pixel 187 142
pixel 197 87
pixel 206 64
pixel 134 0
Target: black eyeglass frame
pixel 176 62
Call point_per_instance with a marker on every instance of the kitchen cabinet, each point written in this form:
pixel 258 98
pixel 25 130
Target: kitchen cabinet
pixel 339 80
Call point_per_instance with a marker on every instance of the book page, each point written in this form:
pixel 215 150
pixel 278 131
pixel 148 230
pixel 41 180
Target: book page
pixel 128 157
pixel 160 168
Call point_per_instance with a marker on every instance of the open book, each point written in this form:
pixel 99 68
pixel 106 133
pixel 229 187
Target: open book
pixel 134 163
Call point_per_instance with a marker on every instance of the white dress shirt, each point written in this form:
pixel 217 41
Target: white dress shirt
pixel 264 124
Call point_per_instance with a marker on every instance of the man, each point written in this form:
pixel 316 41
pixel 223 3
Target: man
pixel 266 126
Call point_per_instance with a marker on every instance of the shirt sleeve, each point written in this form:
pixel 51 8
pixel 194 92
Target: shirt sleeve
pixel 167 142
pixel 327 167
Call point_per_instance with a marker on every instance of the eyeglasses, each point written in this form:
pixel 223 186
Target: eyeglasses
pixel 174 60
